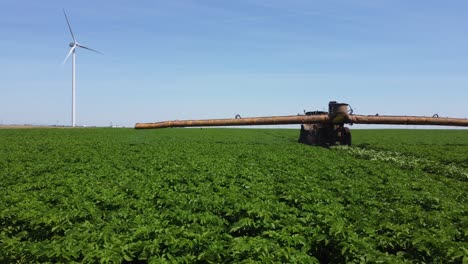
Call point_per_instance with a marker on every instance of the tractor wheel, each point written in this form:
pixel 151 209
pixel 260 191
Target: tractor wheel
pixel 347 137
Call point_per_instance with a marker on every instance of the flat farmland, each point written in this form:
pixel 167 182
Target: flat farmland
pixel 232 195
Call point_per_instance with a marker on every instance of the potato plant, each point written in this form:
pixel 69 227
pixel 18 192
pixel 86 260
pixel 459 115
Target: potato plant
pixel 231 195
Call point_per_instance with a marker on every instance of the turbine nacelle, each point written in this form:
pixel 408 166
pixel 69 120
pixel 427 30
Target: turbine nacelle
pixel 71 44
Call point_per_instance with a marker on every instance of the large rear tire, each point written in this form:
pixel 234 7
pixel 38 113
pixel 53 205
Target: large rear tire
pixel 347 137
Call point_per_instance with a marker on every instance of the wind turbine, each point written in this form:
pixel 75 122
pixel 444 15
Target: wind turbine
pixel 73 45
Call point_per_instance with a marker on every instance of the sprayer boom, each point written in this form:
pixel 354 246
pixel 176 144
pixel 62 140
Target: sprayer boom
pixel 317 128
pixel 302 119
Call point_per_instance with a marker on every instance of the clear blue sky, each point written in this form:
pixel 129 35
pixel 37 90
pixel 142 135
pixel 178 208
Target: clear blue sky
pixel 212 59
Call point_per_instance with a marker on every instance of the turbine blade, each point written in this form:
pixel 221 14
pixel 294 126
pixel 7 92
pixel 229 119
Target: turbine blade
pixel 69 27
pixel 69 53
pixel 88 49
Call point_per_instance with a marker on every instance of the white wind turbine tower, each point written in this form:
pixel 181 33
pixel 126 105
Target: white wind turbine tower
pixel 73 45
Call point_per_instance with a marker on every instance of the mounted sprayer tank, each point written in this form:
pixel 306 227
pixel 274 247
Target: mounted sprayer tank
pixel 328 133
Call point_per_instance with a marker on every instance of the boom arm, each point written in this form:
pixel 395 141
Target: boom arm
pixel 271 120
pixel 407 120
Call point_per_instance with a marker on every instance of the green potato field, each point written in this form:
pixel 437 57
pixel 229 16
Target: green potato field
pixel 102 195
